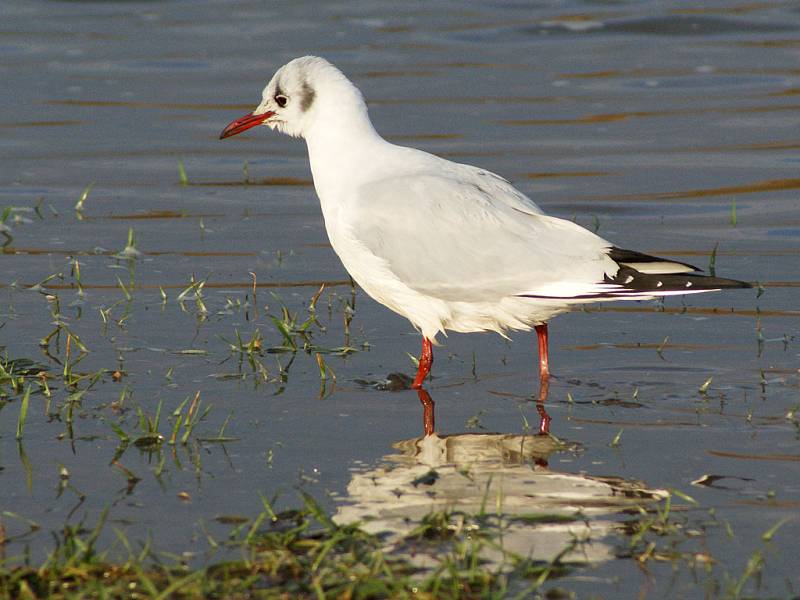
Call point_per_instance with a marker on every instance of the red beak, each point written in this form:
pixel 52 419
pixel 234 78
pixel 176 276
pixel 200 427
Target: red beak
pixel 243 123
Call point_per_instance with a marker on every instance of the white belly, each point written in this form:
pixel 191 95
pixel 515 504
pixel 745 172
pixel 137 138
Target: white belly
pixel 431 315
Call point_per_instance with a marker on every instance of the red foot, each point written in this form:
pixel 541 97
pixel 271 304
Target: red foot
pixel 425 362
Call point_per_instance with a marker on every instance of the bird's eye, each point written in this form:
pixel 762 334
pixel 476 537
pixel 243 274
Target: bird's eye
pixel 281 100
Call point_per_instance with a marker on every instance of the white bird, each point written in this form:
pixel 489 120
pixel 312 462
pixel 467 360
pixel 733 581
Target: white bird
pixel 448 246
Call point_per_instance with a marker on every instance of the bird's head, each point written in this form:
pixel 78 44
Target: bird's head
pixel 296 96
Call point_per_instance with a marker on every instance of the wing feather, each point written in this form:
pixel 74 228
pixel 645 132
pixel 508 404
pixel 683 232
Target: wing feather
pixel 470 237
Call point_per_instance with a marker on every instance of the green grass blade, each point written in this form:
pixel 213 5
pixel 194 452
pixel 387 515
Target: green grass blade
pixel 182 173
pixel 23 412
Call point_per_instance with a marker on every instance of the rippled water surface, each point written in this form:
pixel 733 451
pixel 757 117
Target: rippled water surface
pixel 668 127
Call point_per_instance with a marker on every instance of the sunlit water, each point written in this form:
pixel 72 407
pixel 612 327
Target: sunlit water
pixel 668 128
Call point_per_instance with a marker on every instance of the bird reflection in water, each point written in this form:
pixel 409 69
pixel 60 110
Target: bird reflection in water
pixel 542 513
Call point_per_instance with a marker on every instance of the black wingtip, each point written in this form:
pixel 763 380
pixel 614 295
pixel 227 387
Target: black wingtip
pixel 635 285
pixel 635 281
pixel 623 256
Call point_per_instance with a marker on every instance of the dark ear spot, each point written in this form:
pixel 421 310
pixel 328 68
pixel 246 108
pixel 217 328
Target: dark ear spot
pixel 306 97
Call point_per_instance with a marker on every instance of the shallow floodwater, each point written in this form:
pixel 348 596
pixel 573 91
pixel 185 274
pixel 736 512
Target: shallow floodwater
pixel 669 128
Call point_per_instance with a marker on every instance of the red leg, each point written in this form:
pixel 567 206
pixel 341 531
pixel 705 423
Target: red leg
pixel 541 333
pixel 428 420
pixel 425 362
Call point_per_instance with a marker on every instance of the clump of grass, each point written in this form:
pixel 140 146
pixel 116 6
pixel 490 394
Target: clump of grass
pixel 148 435
pixel 299 553
pixel 305 553
pixel 15 372
pixel 194 291
pixel 187 420
pixel 296 336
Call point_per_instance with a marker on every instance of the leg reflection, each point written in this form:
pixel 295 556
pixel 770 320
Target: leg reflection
pixel 544 418
pixel 428 419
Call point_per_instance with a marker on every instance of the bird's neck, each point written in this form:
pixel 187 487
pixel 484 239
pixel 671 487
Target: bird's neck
pixel 341 147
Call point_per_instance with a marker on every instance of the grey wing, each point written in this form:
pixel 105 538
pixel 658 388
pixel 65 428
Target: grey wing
pixel 466 240
pixel 499 188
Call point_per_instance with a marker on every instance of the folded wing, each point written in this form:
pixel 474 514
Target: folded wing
pixel 472 237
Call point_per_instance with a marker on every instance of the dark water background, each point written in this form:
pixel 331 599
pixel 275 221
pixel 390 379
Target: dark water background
pixel 672 128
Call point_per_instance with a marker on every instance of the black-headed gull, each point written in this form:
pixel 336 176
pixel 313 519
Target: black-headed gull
pixel 446 245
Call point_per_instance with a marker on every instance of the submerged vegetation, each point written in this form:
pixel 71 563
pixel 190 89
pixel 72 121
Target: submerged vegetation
pixel 300 553
pixel 304 553
pixel 185 413
pixel 86 387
